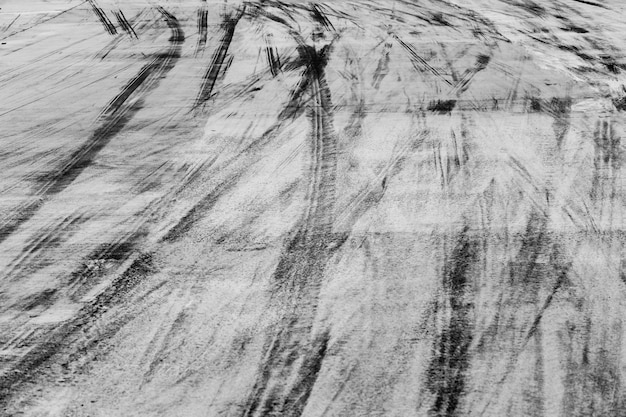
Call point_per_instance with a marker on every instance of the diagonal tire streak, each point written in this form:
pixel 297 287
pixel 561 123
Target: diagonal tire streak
pixel 112 120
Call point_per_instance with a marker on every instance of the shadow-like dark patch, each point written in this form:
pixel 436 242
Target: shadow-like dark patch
pixel 534 104
pixel 442 106
pixel 439 19
pixel 43 299
pixel 620 103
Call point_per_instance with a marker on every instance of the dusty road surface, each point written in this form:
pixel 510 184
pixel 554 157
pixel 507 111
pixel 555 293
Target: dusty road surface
pixel 334 208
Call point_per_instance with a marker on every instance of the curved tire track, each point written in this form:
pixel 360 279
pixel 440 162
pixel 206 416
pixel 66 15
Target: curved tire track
pixel 294 354
pixel 112 119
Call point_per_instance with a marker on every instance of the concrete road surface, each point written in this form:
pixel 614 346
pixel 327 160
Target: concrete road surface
pixel 333 208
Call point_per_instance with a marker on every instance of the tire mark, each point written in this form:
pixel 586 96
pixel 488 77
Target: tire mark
pixel 234 166
pixel 463 83
pixel 354 75
pixel 63 88
pixel 47 238
pixel 513 327
pixel 420 63
pixel 219 57
pixel 606 162
pixel 94 267
pixel 450 163
pixel 203 15
pixel 591 3
pixel 447 369
pixel 271 53
pixel 106 22
pixel 444 52
pixel 11 24
pixel 294 354
pixel 318 14
pixel 43 299
pixel 594 385
pixel 382 69
pixel 374 191
pixel 560 110
pixel 124 24
pixel 199 210
pixel 142 27
pixel 294 107
pixel 113 119
pixel 70 332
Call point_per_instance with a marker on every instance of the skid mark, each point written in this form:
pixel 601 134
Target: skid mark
pixel 104 19
pixel 203 16
pixel 112 120
pixel 124 24
pixel 283 385
pixel 218 62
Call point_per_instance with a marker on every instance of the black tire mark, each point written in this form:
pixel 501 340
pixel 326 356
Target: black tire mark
pixel 271 53
pixel 446 373
pixel 113 119
pixel 530 6
pixel 141 27
pixel 294 107
pixel 561 109
pixel 284 383
pixel 463 84
pixel 594 385
pixel 453 73
pixel 318 14
pixel 104 258
pixel 382 69
pixel 11 24
pixel 591 3
pixel 256 10
pixel 219 57
pixel 375 190
pixel 450 163
pixel 45 239
pixel 43 299
pixel 513 330
pixel 199 210
pixel 106 22
pixel 234 166
pixel 607 161
pixel 124 24
pixel 420 63
pixel 441 106
pixel 354 75
pixel 70 331
pixel 203 16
